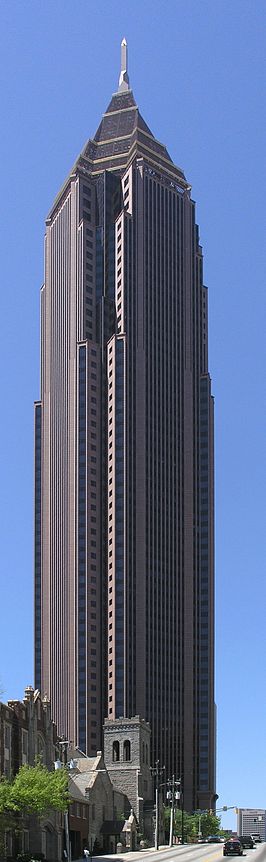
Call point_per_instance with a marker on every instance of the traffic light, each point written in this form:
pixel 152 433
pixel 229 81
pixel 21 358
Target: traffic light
pixel 236 811
pixel 210 811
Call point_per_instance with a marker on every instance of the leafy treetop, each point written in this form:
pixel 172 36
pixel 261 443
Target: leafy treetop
pixel 207 824
pixel 34 790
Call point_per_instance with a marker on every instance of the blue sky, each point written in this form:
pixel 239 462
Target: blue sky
pixel 198 75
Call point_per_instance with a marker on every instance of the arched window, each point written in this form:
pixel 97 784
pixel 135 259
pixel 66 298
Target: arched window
pixel 127 752
pixel 116 752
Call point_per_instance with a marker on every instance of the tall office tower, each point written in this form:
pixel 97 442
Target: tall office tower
pixel 124 454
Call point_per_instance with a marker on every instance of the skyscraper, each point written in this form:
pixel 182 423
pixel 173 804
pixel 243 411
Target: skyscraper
pixel 124 608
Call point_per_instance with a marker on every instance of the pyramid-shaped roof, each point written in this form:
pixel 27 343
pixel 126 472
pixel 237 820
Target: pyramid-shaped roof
pixel 121 136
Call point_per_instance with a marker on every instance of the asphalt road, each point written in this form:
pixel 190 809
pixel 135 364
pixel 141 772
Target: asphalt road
pixel 186 853
pixel 203 853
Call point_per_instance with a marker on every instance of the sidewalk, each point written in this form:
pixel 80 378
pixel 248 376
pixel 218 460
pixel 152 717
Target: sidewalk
pixel 130 855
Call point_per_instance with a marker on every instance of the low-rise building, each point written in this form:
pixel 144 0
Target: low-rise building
pixel 251 821
pixel 98 811
pixel 127 760
pixel 26 733
pixel 111 794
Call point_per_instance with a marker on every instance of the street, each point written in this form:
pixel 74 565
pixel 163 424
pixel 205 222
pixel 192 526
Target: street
pixel 188 853
pixel 203 853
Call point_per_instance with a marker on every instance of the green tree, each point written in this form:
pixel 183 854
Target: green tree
pixel 187 823
pixel 209 824
pixel 8 818
pixel 33 791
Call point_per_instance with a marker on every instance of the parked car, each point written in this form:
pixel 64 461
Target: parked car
pixel 246 841
pixel 233 847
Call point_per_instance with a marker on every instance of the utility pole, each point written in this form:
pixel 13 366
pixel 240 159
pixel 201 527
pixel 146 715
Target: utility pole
pixel 64 744
pixel 173 794
pixel 182 814
pixel 157 773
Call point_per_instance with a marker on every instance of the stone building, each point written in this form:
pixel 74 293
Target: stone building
pixel 27 732
pixel 111 794
pixel 127 759
pixel 115 786
pixel 98 811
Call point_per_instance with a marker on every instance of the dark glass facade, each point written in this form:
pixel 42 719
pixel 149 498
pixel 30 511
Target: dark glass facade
pixel 37 541
pixel 81 547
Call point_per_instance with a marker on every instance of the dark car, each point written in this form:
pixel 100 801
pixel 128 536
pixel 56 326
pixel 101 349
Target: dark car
pixel 214 839
pixel 233 847
pixel 246 841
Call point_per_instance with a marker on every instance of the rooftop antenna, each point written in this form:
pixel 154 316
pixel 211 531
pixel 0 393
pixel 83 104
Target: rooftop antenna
pixel 124 79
